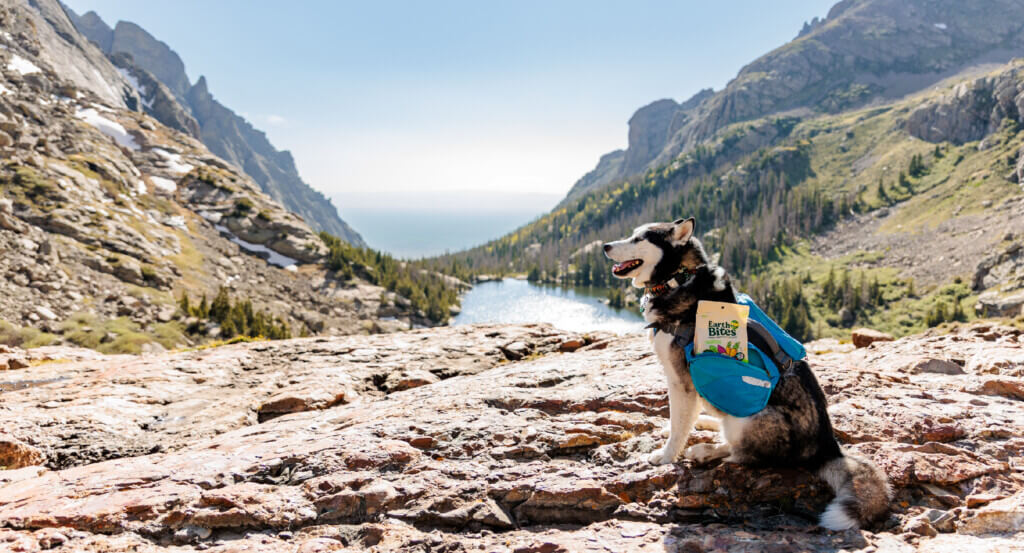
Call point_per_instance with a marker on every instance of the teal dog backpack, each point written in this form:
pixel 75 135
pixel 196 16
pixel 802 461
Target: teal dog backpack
pixel 742 389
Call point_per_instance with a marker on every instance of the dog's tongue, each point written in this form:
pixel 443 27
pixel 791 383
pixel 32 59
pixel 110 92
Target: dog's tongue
pixel 618 266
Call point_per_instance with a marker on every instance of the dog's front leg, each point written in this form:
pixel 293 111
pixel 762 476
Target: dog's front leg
pixel 684 407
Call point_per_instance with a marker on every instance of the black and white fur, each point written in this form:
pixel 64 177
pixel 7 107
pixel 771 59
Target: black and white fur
pixel 793 429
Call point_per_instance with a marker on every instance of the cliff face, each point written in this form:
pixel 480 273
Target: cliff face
pixel 224 132
pixel 232 138
pixel 66 51
pixel 495 438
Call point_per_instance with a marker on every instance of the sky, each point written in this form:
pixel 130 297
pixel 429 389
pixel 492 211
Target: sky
pixel 455 106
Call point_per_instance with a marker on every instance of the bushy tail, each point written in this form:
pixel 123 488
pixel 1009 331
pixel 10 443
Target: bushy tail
pixel 862 492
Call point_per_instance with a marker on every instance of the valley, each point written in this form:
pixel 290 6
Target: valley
pixel 879 193
pixel 197 353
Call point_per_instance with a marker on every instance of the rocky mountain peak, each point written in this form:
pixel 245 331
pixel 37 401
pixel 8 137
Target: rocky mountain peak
pixel 227 134
pixel 200 89
pixel 151 54
pixel 94 28
pixel 648 132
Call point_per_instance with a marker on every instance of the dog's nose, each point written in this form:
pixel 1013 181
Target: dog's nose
pixel 607 248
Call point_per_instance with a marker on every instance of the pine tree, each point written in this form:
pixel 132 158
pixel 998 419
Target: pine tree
pixel 904 182
pixel 958 312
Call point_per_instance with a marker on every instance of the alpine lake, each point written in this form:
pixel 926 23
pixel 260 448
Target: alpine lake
pixel 577 309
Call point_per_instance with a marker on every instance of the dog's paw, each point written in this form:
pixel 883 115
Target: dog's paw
pixel 705 453
pixel 662 456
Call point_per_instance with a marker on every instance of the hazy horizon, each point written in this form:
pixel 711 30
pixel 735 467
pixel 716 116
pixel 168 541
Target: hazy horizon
pixel 454 107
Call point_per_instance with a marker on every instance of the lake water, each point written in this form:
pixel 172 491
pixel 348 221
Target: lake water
pixel 519 301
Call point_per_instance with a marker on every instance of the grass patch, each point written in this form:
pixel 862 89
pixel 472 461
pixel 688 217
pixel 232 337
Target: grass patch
pixel 24 337
pixel 877 297
pixel 235 340
pixel 120 335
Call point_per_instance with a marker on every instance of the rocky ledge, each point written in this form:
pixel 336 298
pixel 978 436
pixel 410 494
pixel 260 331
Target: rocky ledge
pixel 485 438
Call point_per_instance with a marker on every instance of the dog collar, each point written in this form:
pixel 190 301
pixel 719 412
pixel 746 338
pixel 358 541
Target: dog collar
pixel 675 281
pixel 670 284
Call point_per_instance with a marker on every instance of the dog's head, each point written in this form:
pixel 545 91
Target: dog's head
pixel 655 252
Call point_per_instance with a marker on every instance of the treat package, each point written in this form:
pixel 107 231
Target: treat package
pixel 721 328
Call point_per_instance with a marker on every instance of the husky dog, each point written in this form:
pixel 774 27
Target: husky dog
pixel 793 429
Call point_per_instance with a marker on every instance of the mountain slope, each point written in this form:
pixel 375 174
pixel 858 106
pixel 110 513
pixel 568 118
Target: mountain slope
pixel 109 220
pixel 864 51
pixel 224 132
pixel 833 157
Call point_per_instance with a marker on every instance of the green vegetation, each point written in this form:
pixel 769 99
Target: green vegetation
pixel 758 209
pixel 812 297
pixel 120 335
pixel 26 184
pixel 235 318
pixel 243 206
pixel 427 290
pixel 19 337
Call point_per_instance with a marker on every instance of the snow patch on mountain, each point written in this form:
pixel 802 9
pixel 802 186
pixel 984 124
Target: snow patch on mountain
pixel 166 186
pixel 173 162
pixel 110 128
pixel 128 76
pixel 274 258
pixel 22 66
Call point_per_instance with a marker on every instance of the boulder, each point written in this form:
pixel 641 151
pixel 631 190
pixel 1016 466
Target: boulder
pixel 571 345
pixel 516 350
pixel 935 366
pixel 864 337
pixel 409 379
pixel 993 304
pixel 1005 515
pixel 15 454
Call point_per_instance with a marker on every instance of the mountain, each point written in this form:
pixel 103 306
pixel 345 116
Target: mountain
pixel 194 110
pixel 821 173
pixel 864 51
pixel 123 234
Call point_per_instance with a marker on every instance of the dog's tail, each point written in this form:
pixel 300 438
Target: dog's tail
pixel 862 493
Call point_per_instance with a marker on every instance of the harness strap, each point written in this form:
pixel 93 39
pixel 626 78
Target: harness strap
pixel 756 332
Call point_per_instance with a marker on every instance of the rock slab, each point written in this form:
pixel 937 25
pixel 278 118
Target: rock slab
pixel 309 445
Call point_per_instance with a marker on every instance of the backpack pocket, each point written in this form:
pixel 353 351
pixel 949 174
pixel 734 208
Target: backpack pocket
pixel 735 387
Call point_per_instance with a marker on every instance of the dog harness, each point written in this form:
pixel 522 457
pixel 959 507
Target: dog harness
pixel 739 388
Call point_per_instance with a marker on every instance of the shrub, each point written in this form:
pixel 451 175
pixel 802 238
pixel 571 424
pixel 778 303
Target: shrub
pixel 19 337
pixel 243 206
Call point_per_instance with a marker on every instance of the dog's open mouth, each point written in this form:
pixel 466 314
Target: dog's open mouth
pixel 625 267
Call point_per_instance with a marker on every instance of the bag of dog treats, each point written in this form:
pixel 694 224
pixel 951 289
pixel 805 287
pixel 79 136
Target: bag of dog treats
pixel 721 328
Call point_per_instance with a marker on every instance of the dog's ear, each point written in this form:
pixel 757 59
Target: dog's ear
pixel 683 229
